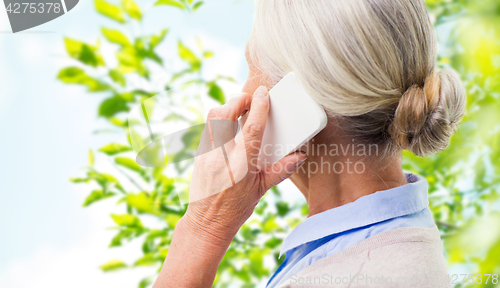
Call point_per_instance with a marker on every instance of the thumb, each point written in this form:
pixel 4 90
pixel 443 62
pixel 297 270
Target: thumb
pixel 283 169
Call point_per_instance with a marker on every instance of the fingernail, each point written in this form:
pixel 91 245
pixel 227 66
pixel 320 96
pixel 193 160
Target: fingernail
pixel 260 92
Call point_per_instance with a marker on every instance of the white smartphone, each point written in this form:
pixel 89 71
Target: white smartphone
pixel 294 119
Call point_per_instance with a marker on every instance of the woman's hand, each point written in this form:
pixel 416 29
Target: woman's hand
pixel 227 185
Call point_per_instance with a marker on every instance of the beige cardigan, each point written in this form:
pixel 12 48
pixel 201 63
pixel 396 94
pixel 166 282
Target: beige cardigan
pixel 403 257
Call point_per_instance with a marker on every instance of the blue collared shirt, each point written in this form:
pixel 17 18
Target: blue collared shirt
pixel 332 231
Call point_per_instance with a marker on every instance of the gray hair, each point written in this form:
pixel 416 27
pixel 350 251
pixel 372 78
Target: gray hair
pixel 371 64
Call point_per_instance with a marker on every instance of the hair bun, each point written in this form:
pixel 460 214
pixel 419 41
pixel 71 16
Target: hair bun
pixel 426 117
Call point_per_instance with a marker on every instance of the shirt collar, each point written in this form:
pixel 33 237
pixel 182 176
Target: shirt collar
pixel 374 208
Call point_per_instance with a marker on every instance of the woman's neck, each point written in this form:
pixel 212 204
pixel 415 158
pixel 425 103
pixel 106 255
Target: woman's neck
pixel 344 173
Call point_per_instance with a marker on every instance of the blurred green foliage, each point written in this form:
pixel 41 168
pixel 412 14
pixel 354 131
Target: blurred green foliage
pixel 464 180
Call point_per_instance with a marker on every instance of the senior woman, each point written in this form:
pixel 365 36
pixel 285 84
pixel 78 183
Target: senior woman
pixel 371 64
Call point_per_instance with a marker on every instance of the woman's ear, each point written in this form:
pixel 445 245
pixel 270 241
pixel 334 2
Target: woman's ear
pixel 254 79
pixel 252 83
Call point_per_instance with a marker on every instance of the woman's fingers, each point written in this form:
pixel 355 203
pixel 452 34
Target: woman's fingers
pixel 283 169
pixel 219 128
pixel 253 130
pixel 233 109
